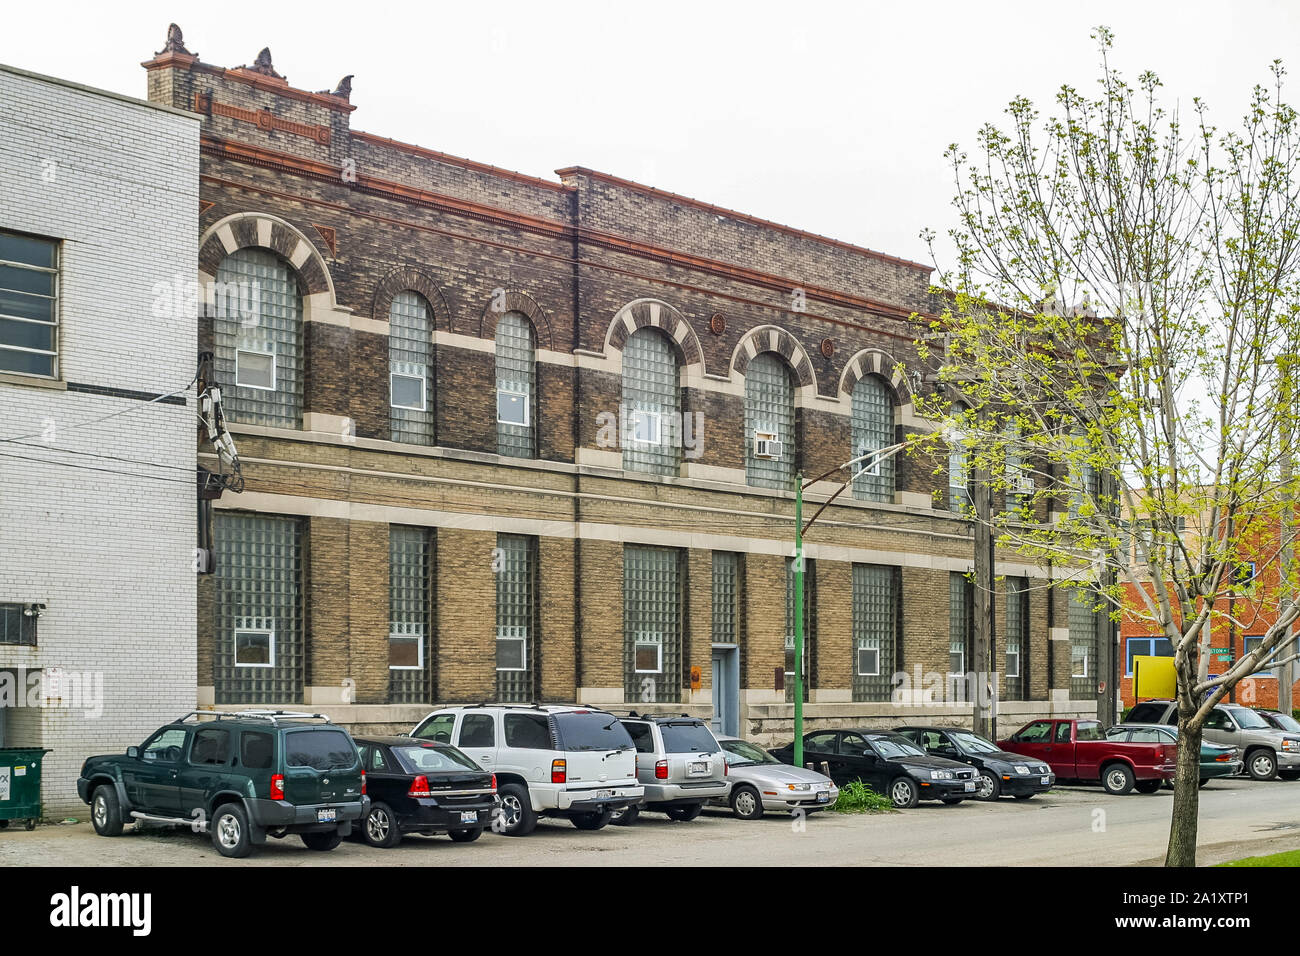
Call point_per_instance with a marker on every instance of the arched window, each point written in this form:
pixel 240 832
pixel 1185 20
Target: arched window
pixel 516 387
pixel 652 403
pixel 257 338
pixel 410 369
pixel 873 429
pixel 769 422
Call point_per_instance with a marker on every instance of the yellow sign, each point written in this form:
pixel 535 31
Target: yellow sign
pixel 1154 677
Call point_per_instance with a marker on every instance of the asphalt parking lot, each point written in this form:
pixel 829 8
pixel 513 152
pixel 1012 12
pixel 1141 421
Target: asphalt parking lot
pixel 1069 826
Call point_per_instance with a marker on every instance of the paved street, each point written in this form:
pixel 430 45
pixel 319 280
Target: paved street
pixel 1238 818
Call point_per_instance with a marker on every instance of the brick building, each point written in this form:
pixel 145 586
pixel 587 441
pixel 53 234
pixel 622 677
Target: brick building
pixel 499 439
pixel 97 584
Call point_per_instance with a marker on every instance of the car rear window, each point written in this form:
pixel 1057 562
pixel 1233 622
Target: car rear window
pixel 418 759
pixel 1147 714
pixel 590 730
pixel 320 749
pixel 681 737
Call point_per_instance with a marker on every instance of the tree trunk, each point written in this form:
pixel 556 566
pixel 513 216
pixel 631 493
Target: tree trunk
pixel 1187 783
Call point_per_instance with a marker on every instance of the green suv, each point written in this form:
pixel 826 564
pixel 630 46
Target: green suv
pixel 240 777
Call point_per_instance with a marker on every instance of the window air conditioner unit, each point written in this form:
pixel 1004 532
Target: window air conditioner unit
pixel 766 446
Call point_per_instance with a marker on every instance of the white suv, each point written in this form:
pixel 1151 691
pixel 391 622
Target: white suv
pixel 565 761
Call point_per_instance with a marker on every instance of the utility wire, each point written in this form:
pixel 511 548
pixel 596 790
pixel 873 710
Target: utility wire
pixel 95 454
pixel 104 418
pixel 106 471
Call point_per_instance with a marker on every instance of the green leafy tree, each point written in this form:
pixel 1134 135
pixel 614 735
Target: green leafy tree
pixel 1113 353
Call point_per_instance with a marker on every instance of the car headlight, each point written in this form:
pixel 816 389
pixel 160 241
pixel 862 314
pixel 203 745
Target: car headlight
pixel 799 786
pixel 940 774
pixel 1291 744
pixel 1022 770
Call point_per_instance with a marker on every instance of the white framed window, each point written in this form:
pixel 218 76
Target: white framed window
pixel 1253 641
pixel 644 428
pixel 1013 663
pixel 512 406
pixel 512 648
pixel 956 662
pixel 405 651
pixel 407 389
pixel 255 369
pixel 647 653
pixel 869 466
pixel 789 658
pixel 868 661
pixel 254 648
pixel 1079 660
pixel 29 291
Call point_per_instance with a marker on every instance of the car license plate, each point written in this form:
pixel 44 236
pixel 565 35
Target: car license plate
pixel 970 785
pixel 469 816
pixel 1046 781
pixel 327 816
pixel 699 768
pixel 823 797
pixel 604 794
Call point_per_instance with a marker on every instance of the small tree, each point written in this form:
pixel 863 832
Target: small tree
pixel 1116 343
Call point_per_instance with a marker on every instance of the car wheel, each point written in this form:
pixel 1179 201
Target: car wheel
pixel 951 801
pixel 380 827
pixel 683 814
pixel 1147 786
pixel 465 836
pixel 105 811
pixel 229 831
pixel 1262 764
pixel 517 816
pixel 4 824
pixel 625 816
pixel 322 841
pixel 904 793
pixel 746 804
pixel 1117 778
pixel 1291 774
pixel 31 824
pixel 988 786
pixel 592 821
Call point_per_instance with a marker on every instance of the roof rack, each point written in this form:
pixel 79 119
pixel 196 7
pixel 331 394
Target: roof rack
pixel 274 716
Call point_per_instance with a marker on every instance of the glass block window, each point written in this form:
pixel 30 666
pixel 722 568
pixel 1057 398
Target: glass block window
pixel 1016 685
pixel 873 429
pixel 1019 474
pixel 809 626
pixel 410 656
pixel 17 626
pixel 410 369
pixel 652 404
pixel 515 564
pixel 259 656
pixel 29 312
pixel 258 339
pixel 875 630
pixel 769 410
pixel 652 624
pixel 959 499
pixel 1083 645
pixel 516 387
pixel 726 597
pixel 961 623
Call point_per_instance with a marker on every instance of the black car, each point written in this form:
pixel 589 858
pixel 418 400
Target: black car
pixel 422 786
pixel 1000 773
pixel 885 762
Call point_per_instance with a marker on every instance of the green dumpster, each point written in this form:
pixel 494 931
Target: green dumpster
pixel 20 784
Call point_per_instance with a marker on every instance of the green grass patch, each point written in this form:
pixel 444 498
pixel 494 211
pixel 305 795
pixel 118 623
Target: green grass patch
pixel 1289 858
pixel 857 797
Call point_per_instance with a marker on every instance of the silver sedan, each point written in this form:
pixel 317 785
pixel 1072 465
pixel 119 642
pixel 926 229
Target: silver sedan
pixel 758 782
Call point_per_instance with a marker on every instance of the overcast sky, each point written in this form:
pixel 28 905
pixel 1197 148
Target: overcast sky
pixel 831 117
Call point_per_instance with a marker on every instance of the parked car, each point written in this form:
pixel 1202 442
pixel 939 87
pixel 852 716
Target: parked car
pixel 1078 750
pixel 240 777
pixel 1216 760
pixel 1289 725
pixel 421 786
pixel 1266 749
pixel 887 763
pixel 1000 773
pixel 759 782
pixel 679 763
pixel 550 760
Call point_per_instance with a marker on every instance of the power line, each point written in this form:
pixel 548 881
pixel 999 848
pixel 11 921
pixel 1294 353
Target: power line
pixel 94 454
pixel 106 471
pixel 104 418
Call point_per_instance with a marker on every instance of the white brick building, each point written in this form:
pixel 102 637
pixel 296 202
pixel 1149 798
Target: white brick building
pixel 98 200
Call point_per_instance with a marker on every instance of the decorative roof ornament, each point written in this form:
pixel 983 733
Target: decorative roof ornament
pixel 175 42
pixel 344 89
pixel 263 65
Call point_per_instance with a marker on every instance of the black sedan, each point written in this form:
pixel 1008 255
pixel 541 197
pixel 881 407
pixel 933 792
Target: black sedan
pixel 421 786
pixel 1000 773
pixel 885 762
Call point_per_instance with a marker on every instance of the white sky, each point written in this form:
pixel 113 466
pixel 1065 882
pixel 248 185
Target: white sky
pixel 831 117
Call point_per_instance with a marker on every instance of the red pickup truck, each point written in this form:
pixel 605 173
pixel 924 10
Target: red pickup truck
pixel 1078 750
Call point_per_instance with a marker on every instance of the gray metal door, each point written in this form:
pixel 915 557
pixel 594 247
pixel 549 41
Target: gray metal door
pixel 726 691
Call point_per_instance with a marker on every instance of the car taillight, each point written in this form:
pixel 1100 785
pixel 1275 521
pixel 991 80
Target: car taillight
pixel 494 781
pixel 559 771
pixel 1225 756
pixel 726 769
pixel 419 787
pixel 363 782
pixel 277 787
pixel 661 770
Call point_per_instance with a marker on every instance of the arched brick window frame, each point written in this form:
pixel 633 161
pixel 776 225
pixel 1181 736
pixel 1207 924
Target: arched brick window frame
pixel 411 279
pixel 523 303
pixel 771 338
pixel 245 230
pixel 655 313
